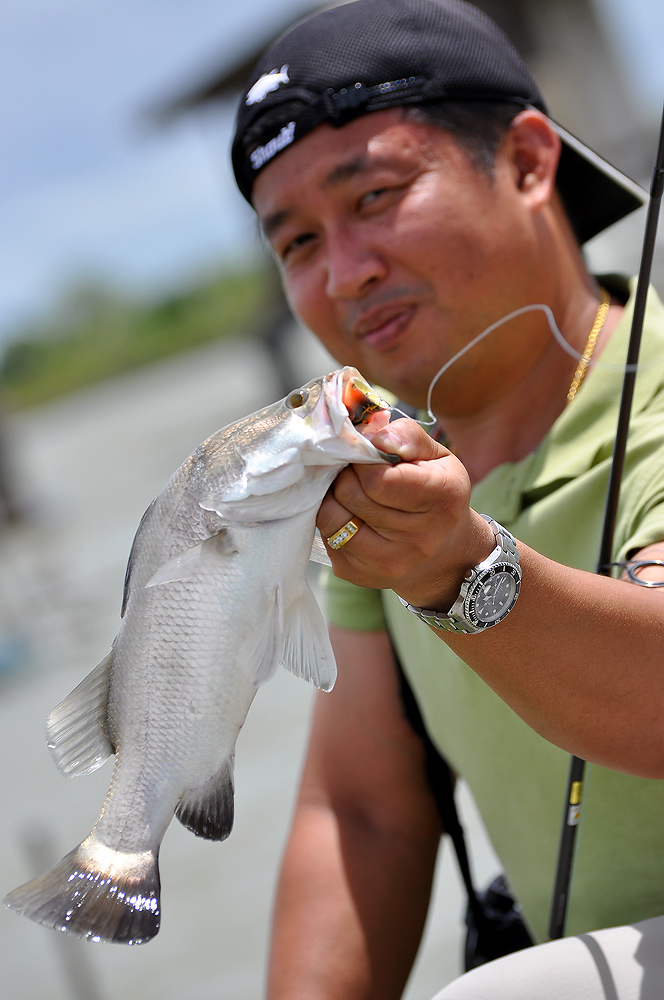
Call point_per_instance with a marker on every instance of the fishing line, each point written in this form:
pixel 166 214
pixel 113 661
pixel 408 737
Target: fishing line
pixel 557 335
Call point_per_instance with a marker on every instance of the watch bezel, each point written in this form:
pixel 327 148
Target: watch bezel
pixel 479 581
pixel 461 617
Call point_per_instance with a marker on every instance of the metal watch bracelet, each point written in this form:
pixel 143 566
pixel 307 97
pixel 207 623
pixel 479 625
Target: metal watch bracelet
pixel 503 558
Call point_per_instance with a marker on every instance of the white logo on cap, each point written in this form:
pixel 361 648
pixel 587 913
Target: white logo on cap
pixel 263 154
pixel 267 83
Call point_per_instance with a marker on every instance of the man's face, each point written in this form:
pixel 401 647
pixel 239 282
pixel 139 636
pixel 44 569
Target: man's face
pixel 395 251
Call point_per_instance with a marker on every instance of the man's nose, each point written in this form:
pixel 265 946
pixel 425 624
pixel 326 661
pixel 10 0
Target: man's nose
pixel 353 265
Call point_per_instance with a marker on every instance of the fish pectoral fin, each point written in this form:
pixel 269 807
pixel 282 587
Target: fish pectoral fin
pixel 307 649
pixel 132 556
pixel 260 653
pixel 319 552
pixel 76 729
pixel 194 560
pixel 208 810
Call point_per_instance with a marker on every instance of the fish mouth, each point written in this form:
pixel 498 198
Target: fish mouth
pixel 362 403
pixel 367 411
pixel 346 417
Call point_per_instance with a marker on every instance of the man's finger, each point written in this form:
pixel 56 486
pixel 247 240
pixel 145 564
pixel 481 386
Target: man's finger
pixel 407 439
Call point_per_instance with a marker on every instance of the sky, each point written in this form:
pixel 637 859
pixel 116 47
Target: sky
pixel 89 192
pixel 87 189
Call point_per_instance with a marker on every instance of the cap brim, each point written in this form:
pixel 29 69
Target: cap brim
pixel 594 192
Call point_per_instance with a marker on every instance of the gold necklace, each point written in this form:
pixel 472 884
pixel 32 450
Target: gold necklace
pixel 584 360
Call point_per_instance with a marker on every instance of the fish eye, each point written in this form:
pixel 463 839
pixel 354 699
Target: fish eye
pixel 297 399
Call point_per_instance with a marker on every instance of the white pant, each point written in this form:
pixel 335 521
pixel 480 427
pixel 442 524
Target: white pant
pixel 619 963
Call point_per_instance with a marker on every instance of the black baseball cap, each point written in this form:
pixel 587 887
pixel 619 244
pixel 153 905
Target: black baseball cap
pixel 368 55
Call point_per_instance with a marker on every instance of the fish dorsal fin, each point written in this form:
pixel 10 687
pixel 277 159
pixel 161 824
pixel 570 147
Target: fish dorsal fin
pixel 208 810
pixel 76 728
pixel 197 559
pixel 260 653
pixel 307 649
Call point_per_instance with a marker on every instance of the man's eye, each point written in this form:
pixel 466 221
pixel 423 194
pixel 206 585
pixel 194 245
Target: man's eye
pixel 372 196
pixel 297 243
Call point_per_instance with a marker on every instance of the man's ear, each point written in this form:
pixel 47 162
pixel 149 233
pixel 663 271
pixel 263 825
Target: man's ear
pixel 533 149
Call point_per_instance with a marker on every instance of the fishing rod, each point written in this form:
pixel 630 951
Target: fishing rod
pixel 574 793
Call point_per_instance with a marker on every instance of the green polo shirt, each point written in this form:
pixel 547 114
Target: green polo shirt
pixel 553 500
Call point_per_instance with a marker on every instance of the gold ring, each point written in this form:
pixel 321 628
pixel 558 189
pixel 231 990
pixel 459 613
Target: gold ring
pixel 344 534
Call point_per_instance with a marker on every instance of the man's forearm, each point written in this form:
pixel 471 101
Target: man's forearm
pixel 579 660
pixel 350 909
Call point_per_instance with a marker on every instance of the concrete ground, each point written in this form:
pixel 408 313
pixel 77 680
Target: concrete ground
pixel 86 467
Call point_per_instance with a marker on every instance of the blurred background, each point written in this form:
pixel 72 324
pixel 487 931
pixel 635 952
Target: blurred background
pixel 139 313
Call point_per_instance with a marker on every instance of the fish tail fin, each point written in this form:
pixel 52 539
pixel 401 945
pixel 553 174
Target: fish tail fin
pixel 96 893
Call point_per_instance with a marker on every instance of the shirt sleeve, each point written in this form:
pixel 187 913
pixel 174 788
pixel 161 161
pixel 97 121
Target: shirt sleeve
pixel 641 507
pixel 351 607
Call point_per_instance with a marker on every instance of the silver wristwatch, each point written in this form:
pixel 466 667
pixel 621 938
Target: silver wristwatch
pixel 488 592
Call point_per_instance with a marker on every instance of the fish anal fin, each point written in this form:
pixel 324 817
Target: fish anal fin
pixel 95 893
pixel 199 558
pixel 76 730
pixel 307 650
pixel 209 809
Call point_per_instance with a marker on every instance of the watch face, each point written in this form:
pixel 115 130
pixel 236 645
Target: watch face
pixel 493 595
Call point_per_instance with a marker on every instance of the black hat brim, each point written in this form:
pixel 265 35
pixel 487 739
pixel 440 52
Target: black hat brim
pixel 595 193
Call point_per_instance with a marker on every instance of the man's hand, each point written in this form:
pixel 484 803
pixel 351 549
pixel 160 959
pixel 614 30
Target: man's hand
pixel 418 535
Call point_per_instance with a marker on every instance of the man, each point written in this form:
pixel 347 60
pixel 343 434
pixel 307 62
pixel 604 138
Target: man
pixel 403 167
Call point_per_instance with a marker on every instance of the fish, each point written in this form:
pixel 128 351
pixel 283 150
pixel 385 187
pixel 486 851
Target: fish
pixel 215 598
pixel 266 84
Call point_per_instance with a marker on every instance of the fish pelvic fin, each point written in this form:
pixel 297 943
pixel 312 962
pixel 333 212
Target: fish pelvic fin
pixel 95 893
pixel 208 810
pixel 307 651
pixel 76 730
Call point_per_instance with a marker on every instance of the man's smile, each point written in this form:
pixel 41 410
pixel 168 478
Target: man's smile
pixel 381 327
